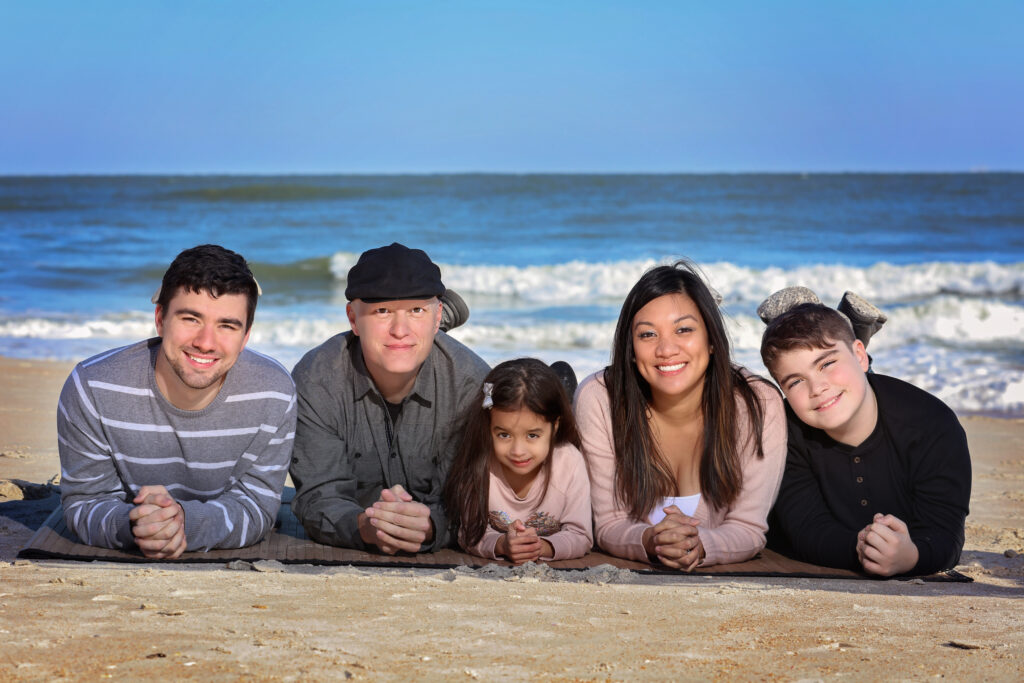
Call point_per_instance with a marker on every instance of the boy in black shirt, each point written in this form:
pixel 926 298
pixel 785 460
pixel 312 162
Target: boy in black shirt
pixel 878 475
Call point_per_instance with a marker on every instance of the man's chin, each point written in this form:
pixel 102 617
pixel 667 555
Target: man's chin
pixel 401 372
pixel 199 381
pixel 402 365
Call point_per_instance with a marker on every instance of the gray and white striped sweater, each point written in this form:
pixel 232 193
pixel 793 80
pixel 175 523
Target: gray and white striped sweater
pixel 225 464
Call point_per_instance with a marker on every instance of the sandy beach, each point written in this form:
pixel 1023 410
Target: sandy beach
pixel 64 620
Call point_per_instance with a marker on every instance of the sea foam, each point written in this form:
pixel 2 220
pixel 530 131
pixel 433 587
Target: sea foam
pixel 581 282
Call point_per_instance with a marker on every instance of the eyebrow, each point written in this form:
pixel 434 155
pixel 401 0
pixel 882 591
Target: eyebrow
pixel 197 314
pixel 680 318
pixel 817 360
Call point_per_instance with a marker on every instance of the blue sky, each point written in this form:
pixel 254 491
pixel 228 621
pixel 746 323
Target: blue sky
pixel 292 87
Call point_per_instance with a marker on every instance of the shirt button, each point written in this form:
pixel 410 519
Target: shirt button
pixel 394 455
pixel 856 460
pixel 357 456
pixel 864 503
pixel 860 480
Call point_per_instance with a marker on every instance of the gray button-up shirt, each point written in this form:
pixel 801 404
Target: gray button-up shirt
pixel 347 449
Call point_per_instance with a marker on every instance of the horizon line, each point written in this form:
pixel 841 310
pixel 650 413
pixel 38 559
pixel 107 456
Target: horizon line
pixel 278 174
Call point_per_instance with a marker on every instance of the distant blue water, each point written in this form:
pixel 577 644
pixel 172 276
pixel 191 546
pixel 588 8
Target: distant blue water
pixel 544 260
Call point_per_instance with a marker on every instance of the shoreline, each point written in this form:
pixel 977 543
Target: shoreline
pixel 169 621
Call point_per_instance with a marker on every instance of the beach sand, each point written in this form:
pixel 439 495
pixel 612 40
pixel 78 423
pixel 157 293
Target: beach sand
pixel 95 620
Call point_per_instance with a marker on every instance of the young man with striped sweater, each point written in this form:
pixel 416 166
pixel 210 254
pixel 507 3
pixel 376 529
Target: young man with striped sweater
pixel 180 442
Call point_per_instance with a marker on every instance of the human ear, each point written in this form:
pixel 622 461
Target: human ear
pixel 159 318
pixel 861 354
pixel 350 311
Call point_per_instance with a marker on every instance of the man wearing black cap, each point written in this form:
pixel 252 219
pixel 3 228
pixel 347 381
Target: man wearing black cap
pixel 378 408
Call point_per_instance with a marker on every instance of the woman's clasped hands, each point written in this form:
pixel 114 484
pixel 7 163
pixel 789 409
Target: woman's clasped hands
pixel 674 541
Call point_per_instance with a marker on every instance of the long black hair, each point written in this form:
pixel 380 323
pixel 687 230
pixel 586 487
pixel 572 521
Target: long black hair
pixel 642 475
pixel 521 383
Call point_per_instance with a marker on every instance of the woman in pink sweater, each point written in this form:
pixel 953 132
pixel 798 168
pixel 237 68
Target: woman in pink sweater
pixel 685 449
pixel 518 488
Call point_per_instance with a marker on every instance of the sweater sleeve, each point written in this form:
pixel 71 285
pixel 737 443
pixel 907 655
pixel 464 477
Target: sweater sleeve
pixel 941 483
pixel 246 510
pixel 741 534
pixel 615 531
pixel 576 537
pixel 96 502
pixel 498 496
pixel 809 525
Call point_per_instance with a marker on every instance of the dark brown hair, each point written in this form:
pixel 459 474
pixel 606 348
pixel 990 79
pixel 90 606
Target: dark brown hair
pixel 521 383
pixel 807 326
pixel 212 269
pixel 642 476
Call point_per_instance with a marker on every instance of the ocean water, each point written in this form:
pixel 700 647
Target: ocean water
pixel 544 261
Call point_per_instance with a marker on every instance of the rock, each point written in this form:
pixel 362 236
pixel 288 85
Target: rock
pixel 271 566
pixel 606 573
pixel 10 490
pixel 16 489
pixel 1011 553
pixel 240 565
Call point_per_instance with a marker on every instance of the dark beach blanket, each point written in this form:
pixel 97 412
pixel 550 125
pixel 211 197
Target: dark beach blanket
pixel 288 544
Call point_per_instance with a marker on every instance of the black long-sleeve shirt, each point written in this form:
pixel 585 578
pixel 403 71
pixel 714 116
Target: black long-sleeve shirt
pixel 915 465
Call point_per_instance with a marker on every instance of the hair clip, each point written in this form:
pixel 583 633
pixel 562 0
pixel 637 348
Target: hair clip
pixel 488 400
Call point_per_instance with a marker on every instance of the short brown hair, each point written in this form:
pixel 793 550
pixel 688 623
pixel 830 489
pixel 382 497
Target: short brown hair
pixel 212 269
pixel 807 326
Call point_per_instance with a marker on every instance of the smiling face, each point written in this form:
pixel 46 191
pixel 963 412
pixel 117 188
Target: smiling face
pixel 395 337
pixel 670 345
pixel 522 442
pixel 202 337
pixel 828 390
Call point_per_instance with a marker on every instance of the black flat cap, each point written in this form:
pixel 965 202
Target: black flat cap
pixel 393 272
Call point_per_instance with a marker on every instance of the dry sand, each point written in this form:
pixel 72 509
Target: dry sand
pixel 95 620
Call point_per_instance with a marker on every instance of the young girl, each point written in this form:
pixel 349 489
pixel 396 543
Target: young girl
pixel 518 488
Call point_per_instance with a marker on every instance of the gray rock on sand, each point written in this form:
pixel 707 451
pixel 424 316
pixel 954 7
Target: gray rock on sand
pixel 530 571
pixel 271 566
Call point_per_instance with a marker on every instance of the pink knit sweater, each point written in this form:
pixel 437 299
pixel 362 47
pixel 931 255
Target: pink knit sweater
pixel 561 517
pixel 730 535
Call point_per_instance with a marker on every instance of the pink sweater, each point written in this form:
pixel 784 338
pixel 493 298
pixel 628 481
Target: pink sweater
pixel 562 516
pixel 731 535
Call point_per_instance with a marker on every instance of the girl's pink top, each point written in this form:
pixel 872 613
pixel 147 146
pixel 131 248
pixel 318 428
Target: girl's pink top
pixel 729 535
pixel 561 516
